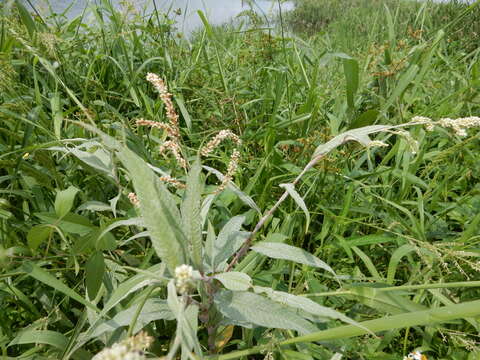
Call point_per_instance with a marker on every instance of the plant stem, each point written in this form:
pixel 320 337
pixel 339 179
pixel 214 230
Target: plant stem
pixel 465 284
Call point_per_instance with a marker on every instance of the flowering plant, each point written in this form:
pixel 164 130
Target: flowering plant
pixel 208 284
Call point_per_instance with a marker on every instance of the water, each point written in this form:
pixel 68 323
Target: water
pixel 217 11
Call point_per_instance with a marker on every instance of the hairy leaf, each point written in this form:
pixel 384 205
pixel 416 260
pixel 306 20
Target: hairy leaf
pixel 248 308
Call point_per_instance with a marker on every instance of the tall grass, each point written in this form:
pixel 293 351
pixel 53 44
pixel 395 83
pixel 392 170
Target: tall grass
pixel 399 225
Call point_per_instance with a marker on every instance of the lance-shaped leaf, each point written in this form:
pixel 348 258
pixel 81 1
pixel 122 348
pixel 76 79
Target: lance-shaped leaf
pixel 152 310
pixel 64 201
pixel 234 280
pixel 247 309
pixel 360 135
pixel 186 317
pixel 290 188
pixel 292 253
pixel 304 304
pixel 228 240
pixel 192 221
pixel 158 209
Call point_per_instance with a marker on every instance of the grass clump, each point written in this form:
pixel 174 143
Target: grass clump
pixel 240 181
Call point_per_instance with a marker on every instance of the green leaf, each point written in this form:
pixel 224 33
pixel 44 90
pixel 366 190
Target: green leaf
pixel 228 240
pixel 292 253
pixel 183 110
pixel 47 337
pixel 152 310
pixel 159 210
pixel 350 68
pixel 41 275
pixel 404 81
pixel 404 320
pixel 191 218
pixel 365 119
pixel 135 221
pixel 247 200
pixel 233 280
pixel 304 304
pixel 26 18
pixel 395 260
pixel 290 188
pixel 383 301
pixel 70 223
pixel 64 201
pixel 37 235
pixel 94 269
pixel 247 309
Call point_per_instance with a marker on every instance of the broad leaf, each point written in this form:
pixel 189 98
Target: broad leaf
pixel 37 235
pixel 152 310
pixel 94 269
pixel 159 210
pixel 305 304
pixel 64 201
pixel 228 240
pixel 246 308
pixel 47 337
pixel 233 280
pixel 191 219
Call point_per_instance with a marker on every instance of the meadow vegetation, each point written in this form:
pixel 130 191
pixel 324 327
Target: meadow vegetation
pixel 141 172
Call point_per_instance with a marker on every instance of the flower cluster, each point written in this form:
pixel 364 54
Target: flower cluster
pixel 183 278
pixel 129 349
pixel 172 181
pixel 416 355
pixel 217 140
pixel 166 97
pixel 231 170
pixel 234 158
pixel 171 127
pixel 134 199
pixel 173 131
pixel 175 149
pixel 377 143
pixel 459 125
